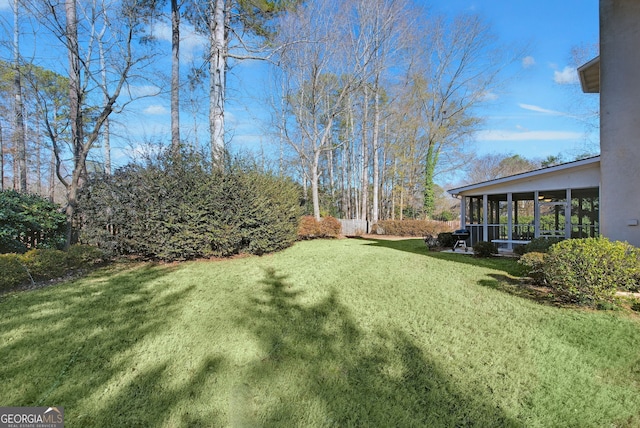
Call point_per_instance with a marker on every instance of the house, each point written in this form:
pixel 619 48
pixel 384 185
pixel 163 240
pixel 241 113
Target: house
pixel 599 195
pixel 561 201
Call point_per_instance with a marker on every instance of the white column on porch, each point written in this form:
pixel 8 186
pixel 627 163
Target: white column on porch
pixel 509 220
pixel 567 216
pixel 463 212
pixel 536 214
pixel 485 217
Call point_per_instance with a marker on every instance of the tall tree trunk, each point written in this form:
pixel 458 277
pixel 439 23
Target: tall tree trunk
pixel 365 156
pixel 38 144
pixel 429 184
pixel 315 178
pixel 106 135
pixel 18 107
pixel 376 159
pixel 175 78
pixel 52 176
pixel 217 70
pixel 75 113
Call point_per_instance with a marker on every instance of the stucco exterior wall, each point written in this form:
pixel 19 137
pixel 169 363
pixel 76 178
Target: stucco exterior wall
pixel 620 119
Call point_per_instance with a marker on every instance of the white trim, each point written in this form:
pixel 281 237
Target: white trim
pixel 524 175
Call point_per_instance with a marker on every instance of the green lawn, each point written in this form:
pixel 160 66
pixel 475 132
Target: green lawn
pixel 327 333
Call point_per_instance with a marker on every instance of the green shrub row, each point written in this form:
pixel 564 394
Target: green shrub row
pixel 484 249
pixel 45 264
pixel 327 227
pixel 180 209
pixel 29 221
pixel 537 245
pixel 585 271
pixel 410 227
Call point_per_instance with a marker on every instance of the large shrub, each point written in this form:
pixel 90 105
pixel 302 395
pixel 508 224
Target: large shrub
pixel 330 227
pixel 327 227
pixel 484 249
pixel 45 264
pixel 591 270
pixel 29 221
pixel 180 209
pixel 446 239
pixel 532 265
pixel 537 245
pixel 13 271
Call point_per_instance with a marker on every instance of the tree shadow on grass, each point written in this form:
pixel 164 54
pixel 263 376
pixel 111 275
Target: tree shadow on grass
pixel 147 399
pixel 319 368
pixel 417 246
pixel 63 344
pixel 520 287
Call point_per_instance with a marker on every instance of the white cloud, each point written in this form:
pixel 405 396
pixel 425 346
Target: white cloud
pixel 190 41
pixel 506 135
pixel 156 109
pixel 138 91
pixel 489 96
pixel 567 76
pixel 528 61
pixel 538 109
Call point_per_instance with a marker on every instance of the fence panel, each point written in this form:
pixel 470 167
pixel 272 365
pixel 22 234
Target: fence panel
pixel 354 227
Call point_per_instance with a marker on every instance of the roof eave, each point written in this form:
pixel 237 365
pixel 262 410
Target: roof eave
pixel 590 76
pixel 524 175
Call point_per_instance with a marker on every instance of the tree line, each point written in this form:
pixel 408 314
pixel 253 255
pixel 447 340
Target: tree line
pixel 371 99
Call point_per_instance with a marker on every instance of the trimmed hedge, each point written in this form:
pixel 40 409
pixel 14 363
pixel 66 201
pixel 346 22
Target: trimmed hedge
pixel 537 245
pixel 310 228
pixel 14 272
pixel 410 227
pixel 591 270
pixel 484 249
pixel 45 264
pixel 532 265
pixel 181 209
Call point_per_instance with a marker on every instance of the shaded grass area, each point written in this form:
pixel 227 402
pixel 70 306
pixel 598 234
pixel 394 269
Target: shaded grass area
pixel 327 333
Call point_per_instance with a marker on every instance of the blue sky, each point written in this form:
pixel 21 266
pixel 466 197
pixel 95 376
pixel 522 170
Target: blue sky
pixel 535 113
pixel 539 110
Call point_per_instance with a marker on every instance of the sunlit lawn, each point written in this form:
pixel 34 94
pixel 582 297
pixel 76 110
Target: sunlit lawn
pixel 327 333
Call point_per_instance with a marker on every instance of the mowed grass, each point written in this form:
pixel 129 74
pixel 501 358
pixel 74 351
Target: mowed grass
pixel 327 333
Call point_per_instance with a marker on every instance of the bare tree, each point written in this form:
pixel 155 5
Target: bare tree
pixel 492 166
pixel 122 21
pixel 175 77
pixel 456 66
pixel 326 63
pixel 18 107
pixel 237 30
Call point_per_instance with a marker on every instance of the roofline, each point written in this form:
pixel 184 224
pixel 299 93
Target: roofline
pixel 528 174
pixel 590 69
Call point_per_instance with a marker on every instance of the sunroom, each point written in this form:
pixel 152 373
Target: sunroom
pixel 561 201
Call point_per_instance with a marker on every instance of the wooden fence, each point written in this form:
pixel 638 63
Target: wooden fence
pixel 354 227
pixel 361 227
